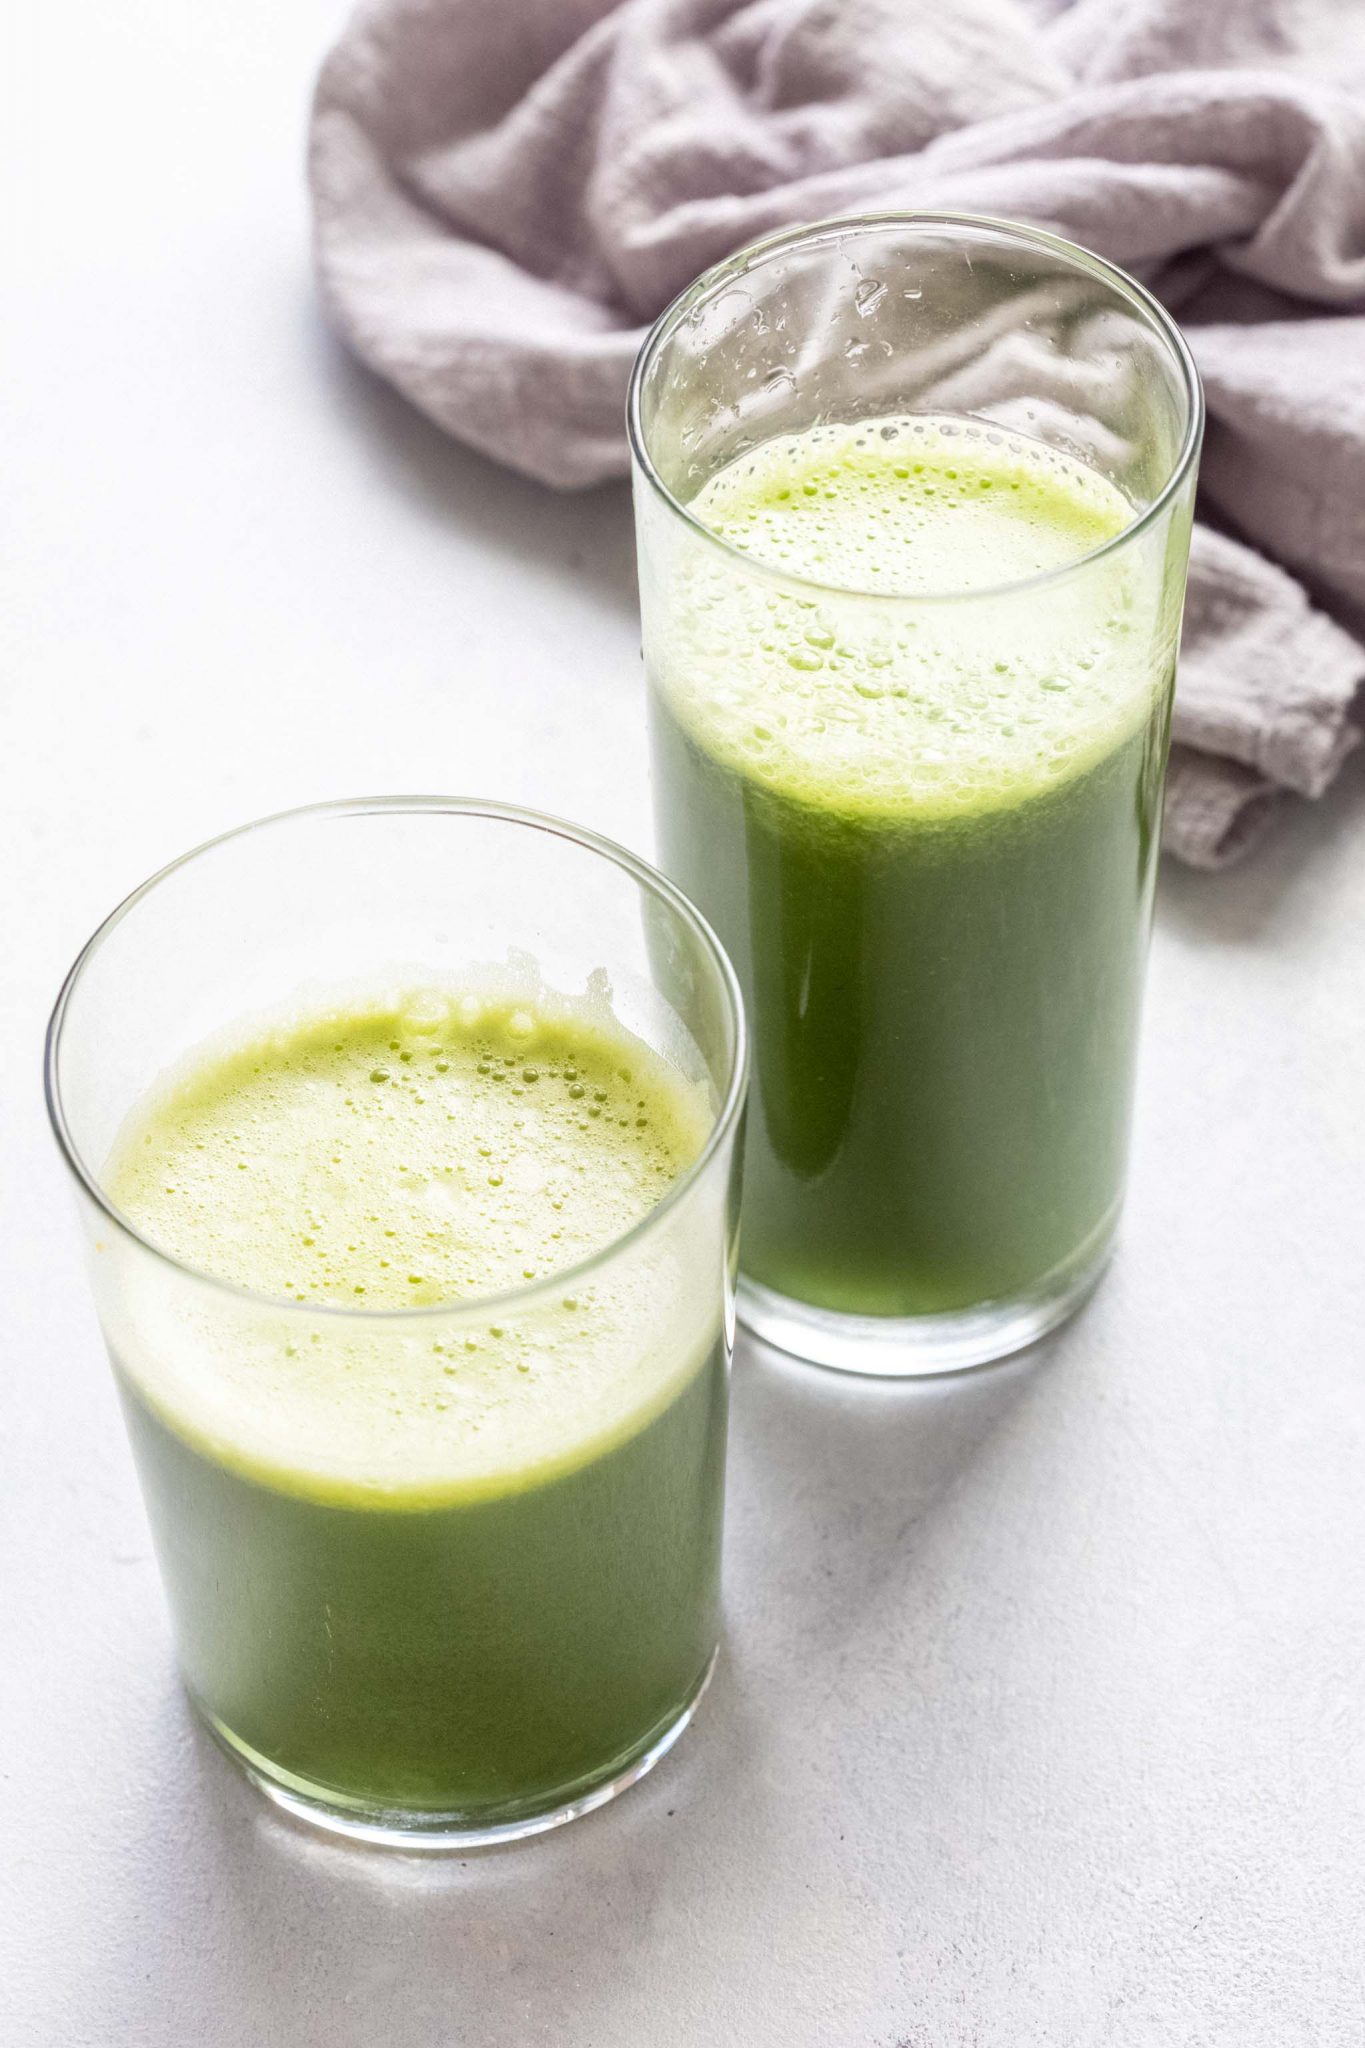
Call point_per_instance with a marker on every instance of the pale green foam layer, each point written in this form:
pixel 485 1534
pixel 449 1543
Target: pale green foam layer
pixel 418 1153
pixel 404 1157
pixel 878 694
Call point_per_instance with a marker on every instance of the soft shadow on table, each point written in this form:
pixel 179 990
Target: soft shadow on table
pixel 1248 902
pixel 584 534
pixel 833 1477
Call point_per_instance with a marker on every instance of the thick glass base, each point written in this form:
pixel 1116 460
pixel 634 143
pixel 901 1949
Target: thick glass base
pixel 390 1828
pixel 913 1347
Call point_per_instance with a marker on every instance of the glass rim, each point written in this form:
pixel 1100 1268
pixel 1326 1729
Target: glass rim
pixel 506 1300
pixel 835 226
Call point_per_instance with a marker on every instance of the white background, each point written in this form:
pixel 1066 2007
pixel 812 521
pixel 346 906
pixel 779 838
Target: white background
pixel 1040 1717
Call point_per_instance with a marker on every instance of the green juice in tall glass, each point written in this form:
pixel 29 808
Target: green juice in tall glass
pixel 925 830
pixel 450 1564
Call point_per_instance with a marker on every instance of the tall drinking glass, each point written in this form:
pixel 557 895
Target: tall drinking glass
pixel 442 1562
pixel 913 505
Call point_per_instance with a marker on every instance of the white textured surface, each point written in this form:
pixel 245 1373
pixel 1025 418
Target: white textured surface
pixel 1040 1719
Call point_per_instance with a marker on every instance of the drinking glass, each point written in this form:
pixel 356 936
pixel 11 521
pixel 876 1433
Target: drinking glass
pixel 943 957
pixel 400 1629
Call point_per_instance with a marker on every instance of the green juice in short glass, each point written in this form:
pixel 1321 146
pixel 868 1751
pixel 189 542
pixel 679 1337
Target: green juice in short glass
pixel 462 1567
pixel 926 834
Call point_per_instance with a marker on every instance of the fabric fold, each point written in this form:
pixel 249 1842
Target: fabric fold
pixel 505 196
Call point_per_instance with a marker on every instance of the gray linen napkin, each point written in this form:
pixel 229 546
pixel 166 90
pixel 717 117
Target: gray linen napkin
pixel 507 191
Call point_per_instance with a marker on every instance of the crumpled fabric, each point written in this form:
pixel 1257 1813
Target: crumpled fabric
pixel 507 192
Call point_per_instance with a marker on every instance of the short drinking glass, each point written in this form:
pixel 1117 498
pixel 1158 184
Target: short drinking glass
pixel 403 1135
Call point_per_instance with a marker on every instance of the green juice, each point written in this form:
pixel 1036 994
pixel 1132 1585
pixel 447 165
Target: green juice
pixel 925 830
pixel 444 1562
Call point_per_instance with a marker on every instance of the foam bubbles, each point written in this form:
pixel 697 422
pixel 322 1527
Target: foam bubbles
pixel 411 1155
pixel 414 1154
pixel 857 697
